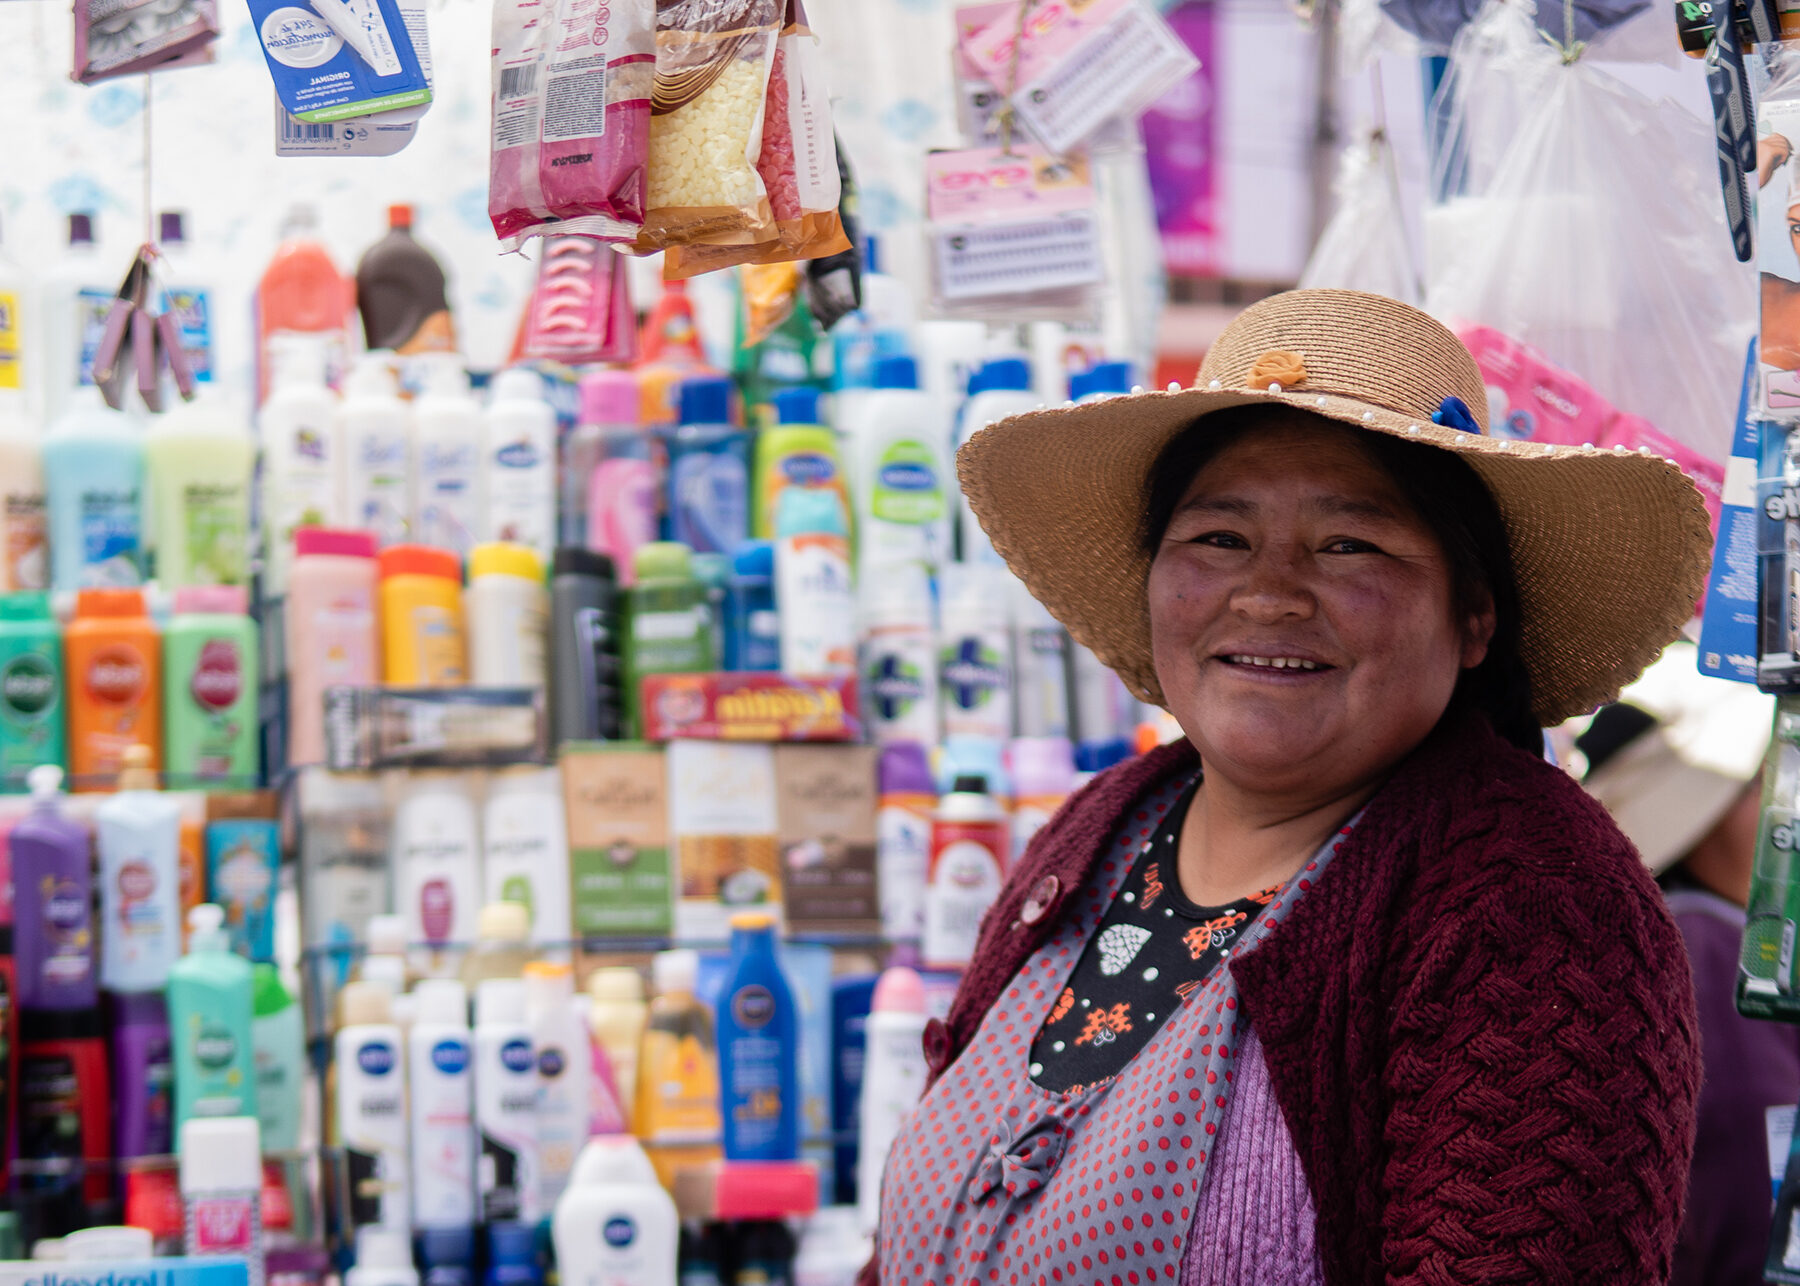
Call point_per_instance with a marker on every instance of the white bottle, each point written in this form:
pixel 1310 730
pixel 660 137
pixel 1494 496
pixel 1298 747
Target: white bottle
pixel 506 1096
pixel 813 590
pixel 376 435
pixel 507 612
pixel 565 1064
pixel 221 1190
pixel 138 834
pixel 1041 666
pixel 384 1257
pixel 437 861
pixel 447 428
pixel 901 476
pixel 440 1072
pixel 303 467
pixel 893 1079
pixel 77 298
pixel 24 539
pixel 526 859
pixel 899 654
pixel 833 1249
pixel 371 1098
pixel 998 388
pixel 385 960
pixel 518 464
pixel 975 672
pixel 615 1225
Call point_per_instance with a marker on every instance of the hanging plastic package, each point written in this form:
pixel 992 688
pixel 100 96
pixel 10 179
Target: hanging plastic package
pixel 571 118
pixel 124 37
pixel 580 310
pixel 1552 244
pixel 978 99
pixel 1364 246
pixel 340 58
pixel 712 75
pixel 382 134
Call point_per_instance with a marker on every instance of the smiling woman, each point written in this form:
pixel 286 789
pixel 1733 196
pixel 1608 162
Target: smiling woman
pixel 1349 986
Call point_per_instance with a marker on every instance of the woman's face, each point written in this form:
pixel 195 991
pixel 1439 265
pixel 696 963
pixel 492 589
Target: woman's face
pixel 1301 615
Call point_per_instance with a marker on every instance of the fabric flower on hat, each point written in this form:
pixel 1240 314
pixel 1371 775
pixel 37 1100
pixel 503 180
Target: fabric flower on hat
pixel 1453 413
pixel 1277 366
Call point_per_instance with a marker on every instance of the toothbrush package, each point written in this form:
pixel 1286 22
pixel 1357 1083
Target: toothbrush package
pixel 332 60
pixel 1767 985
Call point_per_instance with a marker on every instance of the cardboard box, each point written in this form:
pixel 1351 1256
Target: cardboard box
pixel 749 707
pixel 617 801
pixel 722 811
pixel 825 803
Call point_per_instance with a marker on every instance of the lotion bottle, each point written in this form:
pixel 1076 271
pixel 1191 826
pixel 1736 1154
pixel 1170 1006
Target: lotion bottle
pixel 893 1079
pixel 210 1014
pixel 441 1075
pixel 527 851
pixel 518 464
pixel 560 1043
pixel 615 1224
pixel 138 833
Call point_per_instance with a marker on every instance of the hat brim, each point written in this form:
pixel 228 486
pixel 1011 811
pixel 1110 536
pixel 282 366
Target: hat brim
pixel 1610 547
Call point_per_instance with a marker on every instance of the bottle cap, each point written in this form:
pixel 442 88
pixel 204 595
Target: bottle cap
pixel 895 594
pixel 221 1154
pixel 808 509
pixel 446 1247
pixel 797 406
pixel 47 1249
pixel 378 1246
pixel 441 375
pixel 206 928
pixel 1002 374
pixel 899 371
pixel 117 1242
pixel 387 935
pixel 1043 766
pixel 500 1000
pixel 677 970
pixel 518 384
pixel 610 397
pixel 754 560
pixel 400 216
pixel 618 983
pixel 338 542
pixel 504 922
pixel 268 994
pixel 547 984
pixel 966 755
pixel 704 399
pixel 904 770
pixel 970 783
pixel 511 1242
pixel 752 922
pixel 1108 379
pixel 663 560
pixel 44 782
pixel 220 600
pixel 363 1003
pixel 113 603
pixel 573 560
pixel 372 376
pixel 419 560
pixel 980 590
pixel 442 1000
pixel 25 605
pixel 711 569
pixel 504 558
pixel 81 229
pixel 136 768
pixel 171 228
pixel 1098 756
pixel 898 991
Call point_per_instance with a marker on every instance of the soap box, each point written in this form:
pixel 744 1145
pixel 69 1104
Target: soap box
pixel 749 707
pixel 224 1270
pixel 618 817
pixel 825 821
pixel 334 59
pixel 722 810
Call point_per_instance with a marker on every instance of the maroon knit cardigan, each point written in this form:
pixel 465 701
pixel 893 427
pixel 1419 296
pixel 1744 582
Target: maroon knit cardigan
pixel 1479 1024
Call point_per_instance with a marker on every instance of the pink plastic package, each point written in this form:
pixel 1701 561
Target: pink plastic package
pixel 580 311
pixel 1530 398
pixel 571 117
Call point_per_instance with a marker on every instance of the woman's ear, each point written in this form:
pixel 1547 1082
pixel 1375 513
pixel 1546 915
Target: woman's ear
pixel 1478 632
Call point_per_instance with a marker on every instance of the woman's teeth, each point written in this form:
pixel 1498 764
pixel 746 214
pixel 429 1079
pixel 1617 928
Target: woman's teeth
pixel 1274 662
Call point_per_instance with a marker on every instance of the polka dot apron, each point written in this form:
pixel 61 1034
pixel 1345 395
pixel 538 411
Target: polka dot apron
pixel 997 1180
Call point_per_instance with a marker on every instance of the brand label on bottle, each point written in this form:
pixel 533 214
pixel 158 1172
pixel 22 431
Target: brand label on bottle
pixel 550 1063
pixel 438 637
pixel 28 688
pixel 215 1047
pixel 140 915
pixel 92 307
pixel 518 455
pixel 619 1232
pixel 451 1057
pixel 214 514
pixel 376 1058
pixel 974 672
pixel 116 675
pixel 753 1006
pixel 516 1056
pixel 218 676
pixel 809 469
pixel 437 909
pixel 221 1225
pixel 894 684
pixel 109 536
pixel 12 347
pixel 907 488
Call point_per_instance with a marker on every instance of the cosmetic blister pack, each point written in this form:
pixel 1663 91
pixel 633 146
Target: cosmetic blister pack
pixel 334 60
pixel 1768 985
pixel 124 37
pixel 580 310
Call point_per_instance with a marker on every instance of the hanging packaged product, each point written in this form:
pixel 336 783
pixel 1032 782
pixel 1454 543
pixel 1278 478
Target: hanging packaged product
pixel 1728 626
pixel 1778 556
pixel 580 310
pixel 1768 984
pixel 616 801
pixel 1070 67
pixel 1014 235
pixel 382 134
pixel 114 39
pixel 978 99
pixel 340 58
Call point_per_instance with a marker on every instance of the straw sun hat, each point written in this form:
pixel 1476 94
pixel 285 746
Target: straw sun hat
pixel 1610 547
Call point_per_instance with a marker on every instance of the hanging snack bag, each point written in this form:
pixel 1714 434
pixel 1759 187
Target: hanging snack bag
pixel 712 75
pixel 571 117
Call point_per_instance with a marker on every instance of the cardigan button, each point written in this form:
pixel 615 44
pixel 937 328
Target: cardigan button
pixel 937 1045
pixel 1039 901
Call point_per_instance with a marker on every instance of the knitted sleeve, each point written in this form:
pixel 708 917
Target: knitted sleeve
pixel 1542 1070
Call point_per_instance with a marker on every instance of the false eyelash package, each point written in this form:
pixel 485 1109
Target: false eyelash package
pixel 125 37
pixel 332 60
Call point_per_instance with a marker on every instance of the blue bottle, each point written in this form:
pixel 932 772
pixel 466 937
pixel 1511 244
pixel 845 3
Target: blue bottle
pixel 446 1257
pixel 759 1047
pixel 752 626
pixel 512 1255
pixel 709 469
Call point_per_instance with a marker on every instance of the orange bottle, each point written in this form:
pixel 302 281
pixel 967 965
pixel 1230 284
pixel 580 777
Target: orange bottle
pixel 670 343
pixel 113 658
pixel 301 293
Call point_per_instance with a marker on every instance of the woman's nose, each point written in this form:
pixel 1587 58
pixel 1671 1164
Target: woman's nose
pixel 1273 588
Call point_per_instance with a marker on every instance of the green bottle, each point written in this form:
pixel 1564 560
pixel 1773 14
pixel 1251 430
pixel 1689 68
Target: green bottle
pixel 210 690
pixel 671 629
pixel 31 688
pixel 210 1013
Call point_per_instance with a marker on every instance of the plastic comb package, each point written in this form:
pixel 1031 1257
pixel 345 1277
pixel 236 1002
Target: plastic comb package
pixel 580 309
pixel 123 37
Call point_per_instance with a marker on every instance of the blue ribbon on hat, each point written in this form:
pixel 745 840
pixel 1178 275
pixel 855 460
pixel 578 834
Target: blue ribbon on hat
pixel 1453 413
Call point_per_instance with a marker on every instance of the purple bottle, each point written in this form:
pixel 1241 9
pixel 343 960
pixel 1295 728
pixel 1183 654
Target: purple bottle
pixel 143 1076
pixel 53 896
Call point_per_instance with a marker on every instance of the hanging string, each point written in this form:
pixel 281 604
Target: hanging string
pixel 149 215
pixel 1006 114
pixel 1569 47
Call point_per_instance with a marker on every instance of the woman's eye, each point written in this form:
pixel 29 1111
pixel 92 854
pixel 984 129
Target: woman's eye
pixel 1220 540
pixel 1347 545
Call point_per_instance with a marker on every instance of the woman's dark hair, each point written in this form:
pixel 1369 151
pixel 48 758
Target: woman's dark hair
pixel 1451 500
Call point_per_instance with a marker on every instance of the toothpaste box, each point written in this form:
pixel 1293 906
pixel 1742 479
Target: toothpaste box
pixel 335 59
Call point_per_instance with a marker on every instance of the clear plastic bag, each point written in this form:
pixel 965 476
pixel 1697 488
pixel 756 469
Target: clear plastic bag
pixel 1364 246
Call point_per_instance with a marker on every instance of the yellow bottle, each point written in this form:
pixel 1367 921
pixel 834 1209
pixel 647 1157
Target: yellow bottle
pixel 422 644
pixel 618 1017
pixel 678 1072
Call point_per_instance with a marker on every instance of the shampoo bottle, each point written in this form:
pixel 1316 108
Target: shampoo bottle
pixel 506 1096
pixel 670 628
pixel 138 833
pixel 112 654
pixel 371 1107
pixel 759 1054
pixel 210 1012
pixel 32 688
pixel 559 1040
pixel 585 687
pixel 447 430
pixel 378 452
pixel 812 584
pixel 440 1072
pixel 143 1074
pixel 518 464
pixel 799 452
pixel 527 850
pixel 303 467
pixel 278 1052
pixel 678 1072
pixel 200 457
pixel 612 487
pixel 900 444
pixel 437 865
pixel 210 726
pixel 508 615
pixel 969 851
pixel 709 471
pixel 894 1074
pixel 52 900
pixel 615 1224
pixel 94 490
pixel 997 389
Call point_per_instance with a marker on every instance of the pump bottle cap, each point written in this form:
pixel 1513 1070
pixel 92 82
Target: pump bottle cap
pixel 135 770
pixel 573 560
pixel 618 984
pixel 548 983
pixel 221 1154
pixel 504 922
pixel 504 558
pixel 363 1004
pixel 372 376
pixel 704 399
pixel 44 782
pixel 899 990
pixel 675 971
pixel 206 928
pixel 500 1000
pixel 442 1000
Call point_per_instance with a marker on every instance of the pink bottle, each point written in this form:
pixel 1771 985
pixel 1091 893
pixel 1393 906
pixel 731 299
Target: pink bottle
pixel 331 629
pixel 615 459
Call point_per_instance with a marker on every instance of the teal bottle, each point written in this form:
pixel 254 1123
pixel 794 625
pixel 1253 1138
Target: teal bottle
pixel 759 1047
pixel 210 1015
pixel 31 688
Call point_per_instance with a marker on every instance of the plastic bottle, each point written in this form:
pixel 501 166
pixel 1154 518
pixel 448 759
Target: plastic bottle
pixel 813 588
pixel 1100 381
pixel 210 1012
pixel 709 469
pixel 376 432
pixel 671 352
pixel 678 1072
pixel 559 1039
pixel 670 625
pixel 713 571
pixel 301 292
pixel 400 291
pixel 906 799
pixel 612 485
pixel 447 1255
pixel 526 854
pixel 752 621
pixel 243 872
pixel 997 389
pixel 437 868
pixel 1043 772
pixel 899 653
pixel 221 1191
pixel 440 1074
pixel 764 1253
pixel 585 689
pixel 615 1225
pixel 894 1074
pixel 112 656
pixel 304 470
pixel 518 464
pixel 384 1257
pixel 502 944
pixel 24 538
pixel 512 1254
pixel 78 294
pixel 508 613
pixel 975 670
pixel 143 1074
pixel 52 901
pixel 506 1093
pixel 199 458
pixel 447 432
pixel 1041 667
pixel 278 1052
pixel 332 640
pixel 210 725
pixel 94 489
pixel 64 1109
pixel 422 642
pixel 617 1016
pixel 190 297
pixel 759 1047
pixel 138 834
pixel 799 452
pixel 969 851
pixel 32 687
pixel 899 442
pixel 371 1106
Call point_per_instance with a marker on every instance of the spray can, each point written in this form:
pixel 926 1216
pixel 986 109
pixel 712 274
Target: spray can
pixel 969 844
